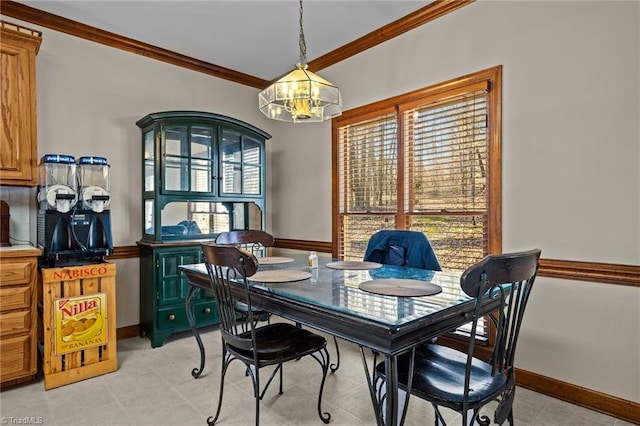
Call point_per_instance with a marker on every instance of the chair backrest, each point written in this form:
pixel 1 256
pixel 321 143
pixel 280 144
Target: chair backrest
pixel 506 279
pixel 253 240
pixel 228 266
pixel 402 248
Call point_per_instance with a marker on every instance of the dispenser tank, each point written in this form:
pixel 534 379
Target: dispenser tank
pixel 57 183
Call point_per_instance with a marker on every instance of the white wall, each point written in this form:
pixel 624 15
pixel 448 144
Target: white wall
pixel 571 162
pixel 89 98
pixel 571 152
pixel 300 182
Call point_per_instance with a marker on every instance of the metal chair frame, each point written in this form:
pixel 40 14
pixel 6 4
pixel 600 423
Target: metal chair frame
pixel 508 279
pixel 273 344
pixel 254 241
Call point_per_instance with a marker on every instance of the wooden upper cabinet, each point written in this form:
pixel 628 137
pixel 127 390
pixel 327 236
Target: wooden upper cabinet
pixel 18 132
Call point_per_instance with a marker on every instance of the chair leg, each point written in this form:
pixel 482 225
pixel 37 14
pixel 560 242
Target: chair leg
pixel 439 419
pixel 255 379
pixel 322 356
pixel 334 367
pixel 277 370
pixel 480 419
pixel 474 417
pixel 257 409
pixel 471 418
pixel 256 391
pixel 226 359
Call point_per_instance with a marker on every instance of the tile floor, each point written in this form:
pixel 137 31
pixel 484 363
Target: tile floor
pixel 155 387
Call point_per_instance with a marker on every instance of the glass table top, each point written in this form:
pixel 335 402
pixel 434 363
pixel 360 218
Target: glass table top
pixel 337 290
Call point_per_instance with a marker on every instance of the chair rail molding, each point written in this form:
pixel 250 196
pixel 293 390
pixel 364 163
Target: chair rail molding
pixel 606 273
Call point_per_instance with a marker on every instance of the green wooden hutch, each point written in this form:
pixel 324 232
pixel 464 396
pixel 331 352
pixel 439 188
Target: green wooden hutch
pixel 202 174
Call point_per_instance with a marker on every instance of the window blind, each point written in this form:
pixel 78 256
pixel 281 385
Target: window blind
pixel 446 176
pixel 368 170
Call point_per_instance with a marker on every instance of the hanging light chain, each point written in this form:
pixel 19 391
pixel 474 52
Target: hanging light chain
pixel 300 96
pixel 302 43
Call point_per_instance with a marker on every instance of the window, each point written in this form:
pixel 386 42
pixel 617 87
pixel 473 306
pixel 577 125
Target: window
pixel 429 161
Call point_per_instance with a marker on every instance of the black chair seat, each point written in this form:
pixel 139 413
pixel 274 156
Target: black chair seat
pixel 439 374
pixel 280 342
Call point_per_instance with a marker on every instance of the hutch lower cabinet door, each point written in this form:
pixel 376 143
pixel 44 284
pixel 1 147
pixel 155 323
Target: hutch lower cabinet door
pixel 163 288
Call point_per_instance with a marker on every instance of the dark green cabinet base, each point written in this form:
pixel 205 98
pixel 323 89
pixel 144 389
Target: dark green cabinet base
pixel 163 288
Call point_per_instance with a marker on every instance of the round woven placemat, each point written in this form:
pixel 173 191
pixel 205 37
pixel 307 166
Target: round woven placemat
pixel 353 264
pixel 274 260
pixel 279 276
pixel 400 287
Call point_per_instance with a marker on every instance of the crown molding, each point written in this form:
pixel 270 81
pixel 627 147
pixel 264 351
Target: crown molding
pixel 413 20
pixel 428 13
pixel 87 32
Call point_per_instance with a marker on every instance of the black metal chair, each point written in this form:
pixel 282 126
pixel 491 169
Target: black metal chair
pixel 457 380
pixel 255 241
pixel 272 344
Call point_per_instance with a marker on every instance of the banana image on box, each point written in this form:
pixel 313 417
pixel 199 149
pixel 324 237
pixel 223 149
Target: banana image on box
pixel 81 330
pixel 81 322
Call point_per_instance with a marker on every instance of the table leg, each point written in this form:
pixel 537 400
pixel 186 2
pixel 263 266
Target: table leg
pixel 385 392
pixel 391 382
pixel 372 383
pixel 192 292
pixel 334 367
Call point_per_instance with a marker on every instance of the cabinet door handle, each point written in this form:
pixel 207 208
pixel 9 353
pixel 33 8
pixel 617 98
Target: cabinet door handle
pixel 207 310
pixel 172 317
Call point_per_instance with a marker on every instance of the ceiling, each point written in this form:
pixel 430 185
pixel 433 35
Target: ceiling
pixel 258 38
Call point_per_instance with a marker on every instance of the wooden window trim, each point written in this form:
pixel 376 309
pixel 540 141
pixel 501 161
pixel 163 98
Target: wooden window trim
pixel 491 77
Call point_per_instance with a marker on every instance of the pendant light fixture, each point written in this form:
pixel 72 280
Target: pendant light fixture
pixel 301 96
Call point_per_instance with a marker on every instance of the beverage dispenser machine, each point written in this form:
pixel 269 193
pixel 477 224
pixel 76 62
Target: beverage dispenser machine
pixel 74 220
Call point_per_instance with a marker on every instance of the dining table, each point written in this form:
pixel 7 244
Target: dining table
pixel 367 306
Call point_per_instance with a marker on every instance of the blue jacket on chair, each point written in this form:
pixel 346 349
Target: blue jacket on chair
pixel 402 248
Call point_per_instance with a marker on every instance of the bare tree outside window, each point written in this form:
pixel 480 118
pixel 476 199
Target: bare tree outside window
pixel 423 161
